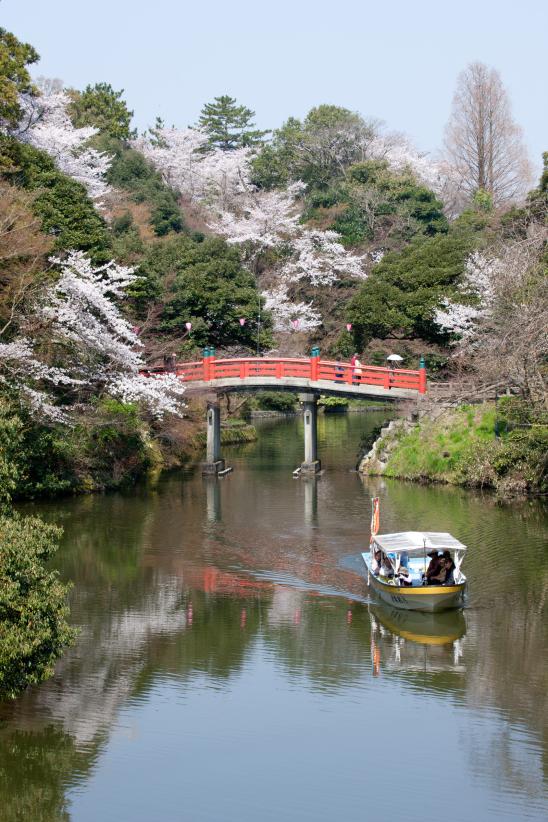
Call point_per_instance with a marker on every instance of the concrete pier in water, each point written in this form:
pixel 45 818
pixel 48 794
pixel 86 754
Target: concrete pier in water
pixel 213 464
pixel 311 464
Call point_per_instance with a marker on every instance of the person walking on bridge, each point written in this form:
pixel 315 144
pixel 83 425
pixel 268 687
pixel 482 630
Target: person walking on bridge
pixel 356 368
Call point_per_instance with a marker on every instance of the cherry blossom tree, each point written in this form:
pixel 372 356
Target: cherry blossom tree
pixel 285 312
pixel 263 219
pixel 76 339
pixel 46 125
pixel 22 370
pixel 318 257
pixel 213 177
pixel 254 219
pixel 270 219
pixel 476 294
pixel 501 321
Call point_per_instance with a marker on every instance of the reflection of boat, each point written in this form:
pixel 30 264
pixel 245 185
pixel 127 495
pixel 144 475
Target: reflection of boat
pixel 420 627
pixel 397 575
pixel 415 642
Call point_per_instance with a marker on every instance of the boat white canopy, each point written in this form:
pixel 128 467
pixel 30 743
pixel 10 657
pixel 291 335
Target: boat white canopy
pixel 417 542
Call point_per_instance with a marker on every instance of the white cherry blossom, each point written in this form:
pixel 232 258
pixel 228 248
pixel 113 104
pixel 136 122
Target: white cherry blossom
pixel 91 348
pixel 285 312
pixel 46 125
pixel 318 257
pixel 213 177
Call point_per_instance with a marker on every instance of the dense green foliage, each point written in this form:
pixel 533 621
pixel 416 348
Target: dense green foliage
pixel 130 172
pixel 10 442
pixel 62 204
pixel 374 204
pixel 109 448
pixel 33 610
pixel 102 107
pixel 281 401
pixel 228 124
pixel 318 150
pixel 403 291
pixel 206 284
pixel 334 404
pixel 14 76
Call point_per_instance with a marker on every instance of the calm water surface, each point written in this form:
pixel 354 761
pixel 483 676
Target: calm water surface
pixel 231 666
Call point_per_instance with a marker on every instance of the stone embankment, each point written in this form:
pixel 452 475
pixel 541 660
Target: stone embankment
pixel 375 461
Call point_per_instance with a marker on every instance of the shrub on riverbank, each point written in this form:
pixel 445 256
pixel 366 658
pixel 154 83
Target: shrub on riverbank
pixel 236 432
pixel 33 609
pixel 459 446
pixel 109 447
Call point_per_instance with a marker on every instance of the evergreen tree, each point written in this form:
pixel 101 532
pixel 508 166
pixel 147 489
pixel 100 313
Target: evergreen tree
pixel 229 125
pixel 400 297
pixel 102 107
pixel 14 77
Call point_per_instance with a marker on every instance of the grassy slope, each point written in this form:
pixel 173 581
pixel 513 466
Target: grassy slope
pixel 460 447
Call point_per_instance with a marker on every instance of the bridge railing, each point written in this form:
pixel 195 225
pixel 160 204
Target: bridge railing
pixel 210 369
pixel 369 375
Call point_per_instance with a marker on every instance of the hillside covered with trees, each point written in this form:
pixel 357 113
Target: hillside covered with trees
pixel 112 242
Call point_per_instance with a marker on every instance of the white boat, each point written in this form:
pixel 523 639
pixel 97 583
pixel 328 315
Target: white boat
pixel 406 589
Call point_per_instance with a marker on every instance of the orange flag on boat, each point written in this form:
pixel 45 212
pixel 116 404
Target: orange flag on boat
pixel 375 517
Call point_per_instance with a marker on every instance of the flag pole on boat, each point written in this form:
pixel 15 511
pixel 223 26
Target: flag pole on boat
pixel 374 527
pixel 375 516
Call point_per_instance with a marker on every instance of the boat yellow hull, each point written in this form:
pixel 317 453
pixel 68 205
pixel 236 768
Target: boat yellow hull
pixel 430 598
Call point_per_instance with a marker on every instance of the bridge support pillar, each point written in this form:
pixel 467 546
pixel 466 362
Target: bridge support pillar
pixel 213 464
pixel 311 464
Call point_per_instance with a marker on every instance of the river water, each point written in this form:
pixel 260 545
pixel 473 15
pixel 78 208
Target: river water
pixel 231 666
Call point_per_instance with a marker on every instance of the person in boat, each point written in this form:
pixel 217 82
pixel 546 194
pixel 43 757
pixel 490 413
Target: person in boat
pixel 377 562
pixel 434 568
pixel 387 569
pixel 404 576
pixel 445 575
pixel 449 564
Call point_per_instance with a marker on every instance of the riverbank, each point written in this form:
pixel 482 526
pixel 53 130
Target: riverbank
pixel 472 446
pixel 235 432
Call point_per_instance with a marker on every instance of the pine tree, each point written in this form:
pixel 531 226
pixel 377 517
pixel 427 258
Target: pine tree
pixel 104 109
pixel 229 125
pixel 14 77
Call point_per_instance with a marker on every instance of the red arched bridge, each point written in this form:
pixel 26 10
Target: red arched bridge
pixel 310 376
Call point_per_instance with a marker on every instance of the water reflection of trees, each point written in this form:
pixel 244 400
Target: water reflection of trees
pixel 507 670
pixel 37 769
pixel 160 597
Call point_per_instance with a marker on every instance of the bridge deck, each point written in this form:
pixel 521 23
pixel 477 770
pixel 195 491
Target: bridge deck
pixel 298 374
pixel 323 387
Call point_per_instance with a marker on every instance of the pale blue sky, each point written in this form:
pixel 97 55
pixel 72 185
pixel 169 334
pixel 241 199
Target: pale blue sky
pixel 397 61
